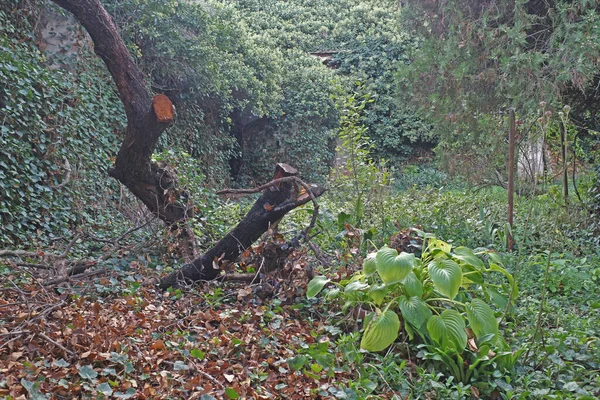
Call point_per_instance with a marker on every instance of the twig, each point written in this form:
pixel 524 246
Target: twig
pixel 60 346
pixel 14 333
pixel 67 175
pixel 127 232
pixel 319 254
pixel 238 277
pixel 71 243
pixel 48 311
pixel 30 265
pixel 206 375
pixel 79 276
pixel 24 253
pixel 260 267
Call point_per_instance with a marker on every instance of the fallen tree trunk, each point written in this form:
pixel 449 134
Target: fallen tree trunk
pixel 280 197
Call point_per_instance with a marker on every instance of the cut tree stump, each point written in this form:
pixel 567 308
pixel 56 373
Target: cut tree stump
pixel 279 197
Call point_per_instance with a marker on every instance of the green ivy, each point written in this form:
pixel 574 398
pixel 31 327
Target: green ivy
pixel 58 135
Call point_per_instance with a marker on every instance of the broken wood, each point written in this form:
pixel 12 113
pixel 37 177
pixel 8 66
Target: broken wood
pixel 279 197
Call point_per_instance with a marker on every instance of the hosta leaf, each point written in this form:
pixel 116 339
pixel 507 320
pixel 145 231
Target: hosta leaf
pixel 514 288
pixel 467 256
pixel 439 244
pixel 370 265
pixel 448 329
pixel 315 285
pixel 481 319
pixel 393 267
pixel 446 276
pixel 378 292
pixel 414 311
pixel 413 285
pixel 355 286
pixel 385 259
pixel 381 331
pixel 499 299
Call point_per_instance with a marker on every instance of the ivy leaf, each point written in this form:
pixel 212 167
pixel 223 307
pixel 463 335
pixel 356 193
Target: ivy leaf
pixel 231 393
pixel 481 319
pixel 296 363
pixel 87 372
pixel 61 363
pixel 315 285
pixel 381 331
pixel 446 276
pixel 197 353
pixel 414 311
pixel 33 389
pixel 105 389
pixel 448 329
pixel 180 366
pixel 127 395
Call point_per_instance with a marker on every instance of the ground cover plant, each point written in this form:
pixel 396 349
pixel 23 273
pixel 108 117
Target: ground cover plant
pixel 394 280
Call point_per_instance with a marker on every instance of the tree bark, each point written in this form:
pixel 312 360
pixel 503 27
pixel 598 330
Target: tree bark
pixel 133 167
pixel 267 211
pixel 147 118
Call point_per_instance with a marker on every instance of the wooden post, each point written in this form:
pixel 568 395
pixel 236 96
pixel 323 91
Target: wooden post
pixel 563 146
pixel 511 176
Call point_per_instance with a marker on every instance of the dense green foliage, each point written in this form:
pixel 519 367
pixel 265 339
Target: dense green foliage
pixel 243 102
pixel 363 42
pixel 58 134
pixel 416 264
pixel 476 59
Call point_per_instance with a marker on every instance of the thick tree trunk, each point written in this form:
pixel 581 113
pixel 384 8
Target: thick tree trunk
pixel 267 211
pixel 147 116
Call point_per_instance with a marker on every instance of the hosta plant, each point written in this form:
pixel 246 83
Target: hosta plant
pixel 449 299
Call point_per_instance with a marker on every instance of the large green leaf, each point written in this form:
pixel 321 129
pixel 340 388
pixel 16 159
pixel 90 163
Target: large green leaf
pixel 355 286
pixel 481 319
pixel 413 285
pixel 381 331
pixel 370 265
pixel 439 244
pixel 513 285
pixel 315 285
pixel 446 276
pixel 448 329
pixel 393 267
pixel 378 292
pixel 468 257
pixel 414 311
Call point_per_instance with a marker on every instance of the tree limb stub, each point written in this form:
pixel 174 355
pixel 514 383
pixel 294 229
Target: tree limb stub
pixel 279 197
pixel 147 116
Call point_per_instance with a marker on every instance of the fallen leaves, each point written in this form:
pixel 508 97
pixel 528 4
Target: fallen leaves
pixel 101 338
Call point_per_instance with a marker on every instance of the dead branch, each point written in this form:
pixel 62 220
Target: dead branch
pixel 276 182
pixel 54 342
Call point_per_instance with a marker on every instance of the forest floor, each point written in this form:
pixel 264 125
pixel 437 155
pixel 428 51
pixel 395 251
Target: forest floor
pixel 116 335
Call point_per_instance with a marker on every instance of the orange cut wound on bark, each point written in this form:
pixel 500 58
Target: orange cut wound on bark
pixel 163 108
